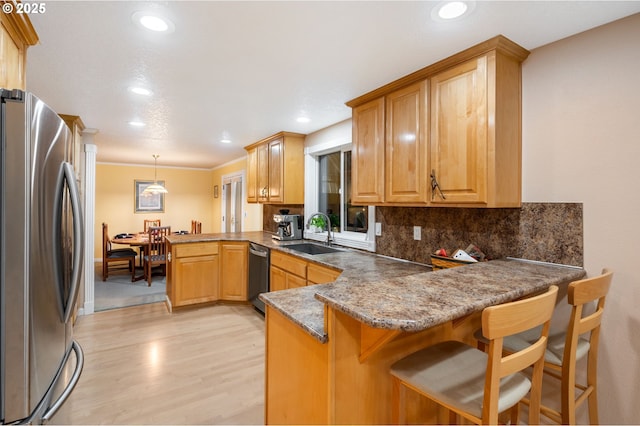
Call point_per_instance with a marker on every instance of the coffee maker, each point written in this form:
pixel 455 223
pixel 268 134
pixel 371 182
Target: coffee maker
pixel 289 227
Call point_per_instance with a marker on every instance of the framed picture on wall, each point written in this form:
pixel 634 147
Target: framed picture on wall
pixel 147 203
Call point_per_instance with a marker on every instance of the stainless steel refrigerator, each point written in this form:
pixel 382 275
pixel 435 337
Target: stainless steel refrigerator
pixel 41 244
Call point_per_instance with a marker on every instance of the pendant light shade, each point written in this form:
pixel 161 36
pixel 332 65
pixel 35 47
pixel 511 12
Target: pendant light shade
pixel 155 187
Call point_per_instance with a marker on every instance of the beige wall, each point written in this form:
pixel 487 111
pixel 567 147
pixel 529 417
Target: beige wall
pixel 581 142
pixel 252 220
pixel 189 198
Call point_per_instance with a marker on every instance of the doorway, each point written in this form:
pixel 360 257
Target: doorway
pixel 232 196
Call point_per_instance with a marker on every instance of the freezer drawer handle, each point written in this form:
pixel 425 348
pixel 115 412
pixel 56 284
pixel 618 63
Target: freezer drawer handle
pixel 53 409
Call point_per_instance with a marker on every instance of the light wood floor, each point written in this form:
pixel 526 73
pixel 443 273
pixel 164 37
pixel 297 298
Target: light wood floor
pixel 144 365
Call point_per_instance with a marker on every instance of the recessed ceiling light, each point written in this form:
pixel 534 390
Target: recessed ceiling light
pixel 225 140
pixel 452 10
pixel 303 119
pixel 136 124
pixel 140 91
pixel 153 22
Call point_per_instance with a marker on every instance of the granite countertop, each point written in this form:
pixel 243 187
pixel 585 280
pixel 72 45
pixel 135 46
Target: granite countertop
pixel 420 301
pixel 394 294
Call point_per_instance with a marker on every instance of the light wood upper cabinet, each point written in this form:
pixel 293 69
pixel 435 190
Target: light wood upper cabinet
pixel 252 175
pixel 73 150
pixel 459 133
pixel 456 123
pixel 16 35
pixel 278 169
pixel 234 270
pixel 406 145
pixel 476 133
pixel 367 159
pixel 262 172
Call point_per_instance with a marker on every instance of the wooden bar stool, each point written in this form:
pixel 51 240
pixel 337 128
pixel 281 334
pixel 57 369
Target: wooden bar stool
pixel 565 349
pixel 478 385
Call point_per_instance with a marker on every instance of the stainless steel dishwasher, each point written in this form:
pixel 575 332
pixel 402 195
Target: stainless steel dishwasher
pixel 258 274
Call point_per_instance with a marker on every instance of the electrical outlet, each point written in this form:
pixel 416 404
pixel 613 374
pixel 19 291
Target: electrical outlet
pixel 417 233
pixel 378 229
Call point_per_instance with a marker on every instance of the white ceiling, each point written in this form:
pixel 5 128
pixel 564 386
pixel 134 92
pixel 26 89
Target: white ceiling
pixel 248 69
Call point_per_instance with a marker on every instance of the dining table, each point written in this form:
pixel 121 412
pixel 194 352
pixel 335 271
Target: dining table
pixel 140 240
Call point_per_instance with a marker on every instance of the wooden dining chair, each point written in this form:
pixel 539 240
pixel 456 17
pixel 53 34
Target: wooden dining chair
pixel 151 222
pixel 156 253
pixel 566 348
pixel 478 385
pixel 110 255
pixel 196 227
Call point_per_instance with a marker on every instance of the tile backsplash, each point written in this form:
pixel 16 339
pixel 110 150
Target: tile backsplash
pixel 548 232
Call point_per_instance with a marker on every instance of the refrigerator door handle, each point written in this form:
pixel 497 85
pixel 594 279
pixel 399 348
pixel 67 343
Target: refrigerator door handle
pixel 66 306
pixel 78 239
pixel 53 408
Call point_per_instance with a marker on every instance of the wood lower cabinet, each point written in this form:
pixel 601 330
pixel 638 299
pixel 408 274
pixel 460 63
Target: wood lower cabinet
pixel 289 271
pixel 202 272
pixel 193 273
pixel 317 274
pixel 234 270
pixel 286 271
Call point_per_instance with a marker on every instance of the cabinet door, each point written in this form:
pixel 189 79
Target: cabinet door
pixel 406 145
pixel 459 133
pixel 277 279
pixel 294 281
pixel 252 175
pixel 234 271
pixel 367 153
pixel 12 63
pixel 276 171
pixel 196 278
pixel 263 173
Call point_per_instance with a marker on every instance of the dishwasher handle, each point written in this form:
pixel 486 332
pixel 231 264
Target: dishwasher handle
pixel 261 253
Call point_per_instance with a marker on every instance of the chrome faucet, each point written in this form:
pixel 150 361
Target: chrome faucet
pixel 328 225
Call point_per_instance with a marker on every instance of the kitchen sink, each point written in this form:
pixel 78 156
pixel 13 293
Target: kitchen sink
pixel 309 248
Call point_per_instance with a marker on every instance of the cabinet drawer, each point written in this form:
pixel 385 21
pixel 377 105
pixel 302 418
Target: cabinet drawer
pixel 289 263
pixel 196 249
pixel 320 275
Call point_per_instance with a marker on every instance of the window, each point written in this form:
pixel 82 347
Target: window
pixel 334 194
pixel 330 193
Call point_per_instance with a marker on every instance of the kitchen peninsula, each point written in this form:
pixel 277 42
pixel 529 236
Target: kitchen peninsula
pixel 329 346
pixel 340 374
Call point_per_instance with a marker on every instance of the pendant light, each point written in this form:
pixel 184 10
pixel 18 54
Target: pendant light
pixel 155 188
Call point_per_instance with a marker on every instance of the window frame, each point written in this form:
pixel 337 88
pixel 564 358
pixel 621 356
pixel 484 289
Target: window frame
pixel 359 240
